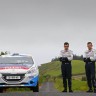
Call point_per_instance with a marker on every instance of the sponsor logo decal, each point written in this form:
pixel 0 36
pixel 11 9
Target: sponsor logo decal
pixel 14 67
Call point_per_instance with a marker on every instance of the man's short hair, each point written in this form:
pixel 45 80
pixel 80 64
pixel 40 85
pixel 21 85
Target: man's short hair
pixel 89 43
pixel 66 43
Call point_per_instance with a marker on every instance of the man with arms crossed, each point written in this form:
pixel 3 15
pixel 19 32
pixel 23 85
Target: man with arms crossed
pixel 89 59
pixel 66 56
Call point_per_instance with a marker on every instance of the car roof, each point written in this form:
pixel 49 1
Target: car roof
pixel 16 55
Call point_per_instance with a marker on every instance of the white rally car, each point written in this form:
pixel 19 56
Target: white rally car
pixel 18 71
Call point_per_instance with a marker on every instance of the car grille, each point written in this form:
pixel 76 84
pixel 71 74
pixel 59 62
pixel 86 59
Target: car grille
pixel 13 80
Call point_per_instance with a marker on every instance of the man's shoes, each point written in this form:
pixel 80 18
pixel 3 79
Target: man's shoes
pixel 71 91
pixel 64 91
pixel 90 90
pixel 94 90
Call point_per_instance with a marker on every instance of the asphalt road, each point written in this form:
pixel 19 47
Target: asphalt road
pixel 47 89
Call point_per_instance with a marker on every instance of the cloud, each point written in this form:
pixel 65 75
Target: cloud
pixel 42 26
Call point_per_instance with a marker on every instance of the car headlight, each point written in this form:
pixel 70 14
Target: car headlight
pixel 0 75
pixel 32 71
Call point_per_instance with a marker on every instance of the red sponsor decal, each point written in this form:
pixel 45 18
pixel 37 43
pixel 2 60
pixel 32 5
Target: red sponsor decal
pixel 14 67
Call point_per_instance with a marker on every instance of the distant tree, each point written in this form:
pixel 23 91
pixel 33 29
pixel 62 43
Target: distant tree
pixel 75 57
pixel 3 53
pixel 55 59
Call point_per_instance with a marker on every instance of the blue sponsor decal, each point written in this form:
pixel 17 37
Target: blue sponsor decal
pixel 33 82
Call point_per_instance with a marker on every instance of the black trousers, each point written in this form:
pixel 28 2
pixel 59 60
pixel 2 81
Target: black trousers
pixel 66 70
pixel 90 74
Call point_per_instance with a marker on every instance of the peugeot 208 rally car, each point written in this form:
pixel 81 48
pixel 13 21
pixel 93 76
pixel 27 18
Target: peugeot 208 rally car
pixel 18 71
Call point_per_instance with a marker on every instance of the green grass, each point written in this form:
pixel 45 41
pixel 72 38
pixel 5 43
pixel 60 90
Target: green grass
pixel 54 68
pixel 78 85
pixel 78 67
pixel 18 89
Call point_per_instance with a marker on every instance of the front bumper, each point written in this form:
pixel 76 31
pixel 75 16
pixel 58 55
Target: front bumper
pixel 24 83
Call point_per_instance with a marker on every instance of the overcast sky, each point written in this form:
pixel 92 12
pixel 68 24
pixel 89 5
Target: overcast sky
pixel 40 27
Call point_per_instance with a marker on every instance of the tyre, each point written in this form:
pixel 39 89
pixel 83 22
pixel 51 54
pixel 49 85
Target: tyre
pixel 1 90
pixel 36 88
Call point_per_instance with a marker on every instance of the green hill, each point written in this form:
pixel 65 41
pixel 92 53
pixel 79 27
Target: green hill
pixel 54 68
pixel 52 71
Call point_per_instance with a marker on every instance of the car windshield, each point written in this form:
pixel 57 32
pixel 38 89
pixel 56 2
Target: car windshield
pixel 16 60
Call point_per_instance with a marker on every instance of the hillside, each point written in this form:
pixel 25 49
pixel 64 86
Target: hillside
pixel 52 72
pixel 54 68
